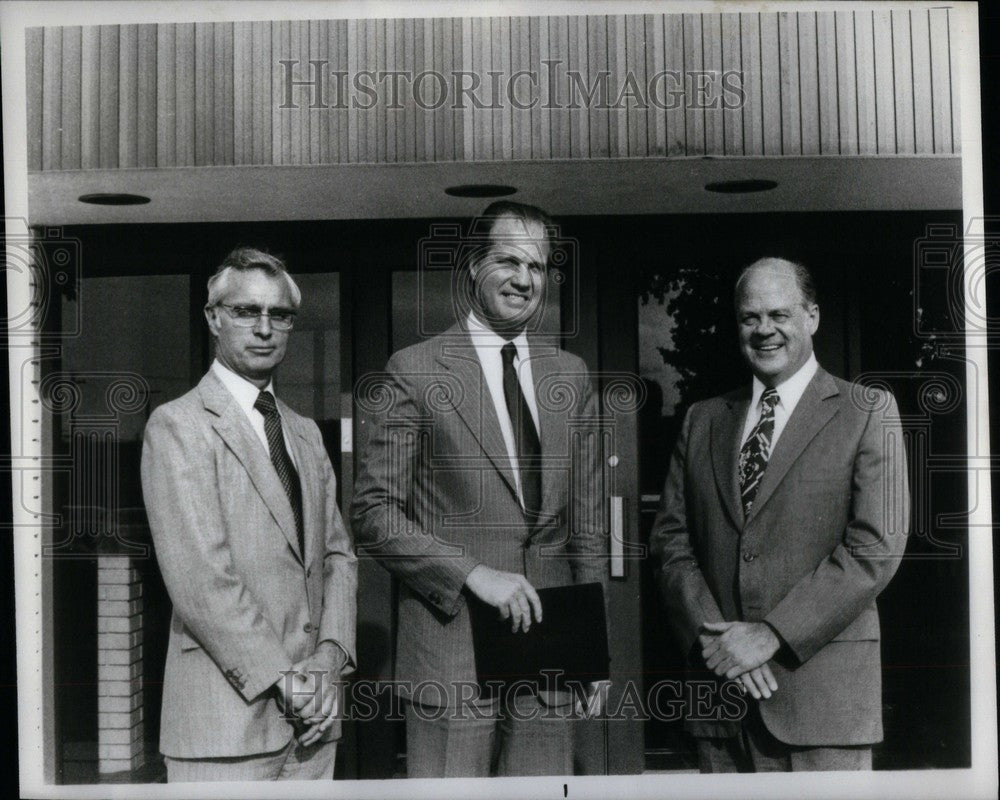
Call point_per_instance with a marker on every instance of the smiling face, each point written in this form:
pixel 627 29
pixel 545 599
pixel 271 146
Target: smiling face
pixel 253 353
pixel 776 323
pixel 509 279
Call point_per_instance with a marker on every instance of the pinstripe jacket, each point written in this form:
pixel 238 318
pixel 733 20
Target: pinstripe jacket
pixel 435 495
pixel 246 606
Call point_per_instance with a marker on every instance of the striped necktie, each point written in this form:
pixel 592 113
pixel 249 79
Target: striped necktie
pixel 529 449
pixel 282 461
pixel 757 450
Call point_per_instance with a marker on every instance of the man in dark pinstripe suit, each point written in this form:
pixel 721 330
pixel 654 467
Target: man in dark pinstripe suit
pixel 464 490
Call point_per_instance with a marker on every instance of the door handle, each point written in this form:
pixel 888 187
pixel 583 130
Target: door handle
pixel 617 537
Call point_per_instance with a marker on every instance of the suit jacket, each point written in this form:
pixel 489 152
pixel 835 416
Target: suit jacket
pixel 246 605
pixel 435 495
pixel 824 536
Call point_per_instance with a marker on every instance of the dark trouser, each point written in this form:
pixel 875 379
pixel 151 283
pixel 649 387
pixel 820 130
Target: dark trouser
pixel 526 737
pixel 754 749
pixel 291 763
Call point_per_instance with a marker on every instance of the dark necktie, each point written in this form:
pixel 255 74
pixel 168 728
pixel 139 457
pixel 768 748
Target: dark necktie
pixel 756 450
pixel 529 449
pixel 282 461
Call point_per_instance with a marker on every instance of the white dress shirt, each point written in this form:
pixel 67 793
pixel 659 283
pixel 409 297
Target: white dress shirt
pixel 488 344
pixel 789 394
pixel 245 394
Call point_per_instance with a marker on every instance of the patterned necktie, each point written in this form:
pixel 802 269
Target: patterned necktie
pixel 757 450
pixel 529 449
pixel 282 461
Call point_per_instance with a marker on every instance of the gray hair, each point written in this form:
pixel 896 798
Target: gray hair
pixel 803 277
pixel 243 259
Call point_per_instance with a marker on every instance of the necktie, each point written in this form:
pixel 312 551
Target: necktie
pixel 529 449
pixel 757 450
pixel 282 461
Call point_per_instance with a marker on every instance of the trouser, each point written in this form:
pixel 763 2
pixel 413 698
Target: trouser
pixel 755 749
pixel 291 763
pixel 521 736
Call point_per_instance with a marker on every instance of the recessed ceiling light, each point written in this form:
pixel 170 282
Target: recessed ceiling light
pixel 113 199
pixel 741 187
pixel 480 190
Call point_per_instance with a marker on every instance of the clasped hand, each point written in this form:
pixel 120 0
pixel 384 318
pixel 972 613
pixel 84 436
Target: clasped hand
pixel 509 592
pixel 310 694
pixel 741 650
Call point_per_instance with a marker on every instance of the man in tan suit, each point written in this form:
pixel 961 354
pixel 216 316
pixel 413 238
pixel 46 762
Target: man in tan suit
pixel 465 492
pixel 241 499
pixel 783 516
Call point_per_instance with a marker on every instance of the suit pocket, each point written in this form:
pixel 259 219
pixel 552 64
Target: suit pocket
pixel 864 628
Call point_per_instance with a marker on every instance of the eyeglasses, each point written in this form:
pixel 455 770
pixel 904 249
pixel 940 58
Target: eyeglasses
pixel 248 316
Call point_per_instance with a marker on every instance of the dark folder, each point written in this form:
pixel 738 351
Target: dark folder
pixel 572 639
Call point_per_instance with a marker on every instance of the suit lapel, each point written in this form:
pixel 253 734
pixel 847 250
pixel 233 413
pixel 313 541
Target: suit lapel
pixel 475 404
pixel 234 429
pixel 811 413
pixel 553 434
pixel 308 478
pixel 727 430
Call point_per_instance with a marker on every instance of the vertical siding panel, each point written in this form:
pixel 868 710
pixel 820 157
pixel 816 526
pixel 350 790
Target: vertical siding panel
pixel 471 125
pixel 166 97
pixel 578 114
pixel 109 101
pixel 444 119
pixel 52 100
pixel 90 98
pixel 885 96
pixel 411 145
pixel 355 46
pixel 651 113
pixel 294 116
pixel 423 30
pixel 660 88
pixel 325 116
pixel 542 121
pixel 809 83
pixel 224 68
pixel 618 64
pixel 693 62
pixel 128 76
pixel 523 90
pixel 303 52
pixel 847 83
pixel 636 100
pixel 902 70
pixel 184 73
pixel 71 95
pixel 262 112
pixel 953 51
pixel 753 109
pixel 339 124
pixel 273 91
pixel 864 61
pixel 770 85
pixel 829 113
pixel 597 58
pixel 204 81
pixel 732 110
pixel 385 37
pixel 558 52
pixel 243 94
pixel 673 64
pixel 34 67
pixel 503 142
pixel 923 118
pixel 791 112
pixel 462 126
pixel 711 36
pixel 940 79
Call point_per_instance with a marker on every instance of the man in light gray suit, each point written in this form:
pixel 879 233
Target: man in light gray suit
pixel 464 492
pixel 241 499
pixel 784 515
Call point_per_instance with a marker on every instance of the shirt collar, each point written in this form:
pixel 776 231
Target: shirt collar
pixel 484 337
pixel 239 387
pixel 790 390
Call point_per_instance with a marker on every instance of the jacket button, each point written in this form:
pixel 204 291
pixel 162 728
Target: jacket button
pixel 748 556
pixel 309 572
pixel 435 598
pixel 308 627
